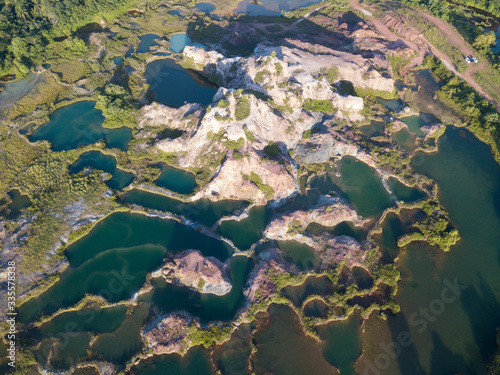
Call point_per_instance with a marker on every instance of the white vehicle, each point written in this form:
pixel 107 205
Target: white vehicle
pixel 467 60
pixel 474 60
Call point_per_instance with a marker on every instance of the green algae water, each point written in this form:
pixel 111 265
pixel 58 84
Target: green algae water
pixel 207 307
pixel 177 180
pixel 80 124
pixel 460 290
pixel 106 163
pixel 283 349
pixel 119 251
pixel 249 230
pixel 342 343
pixel 203 211
pixel 406 139
pixel 175 86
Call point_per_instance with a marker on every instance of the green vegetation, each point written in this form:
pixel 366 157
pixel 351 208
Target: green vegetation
pixel 272 150
pixel 235 144
pixel 30 29
pixel 480 115
pixel 223 103
pixel 317 105
pixel 242 110
pixel 261 75
pixel 249 135
pixel 210 335
pixel 434 228
pixel 332 74
pixel 266 189
pixel 295 227
pixel 117 106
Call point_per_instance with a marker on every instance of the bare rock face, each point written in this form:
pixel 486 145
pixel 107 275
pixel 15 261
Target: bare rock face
pixel 191 268
pixel 260 284
pixel 343 248
pixel 330 211
pixel 227 147
pixel 430 130
pixel 169 335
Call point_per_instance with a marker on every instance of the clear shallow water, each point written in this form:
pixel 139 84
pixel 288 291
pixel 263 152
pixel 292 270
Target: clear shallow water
pixel 119 251
pixel 118 60
pixel 177 180
pixel 271 7
pixel 204 7
pixel 461 338
pixel 394 105
pixel 203 211
pixel 403 192
pixel 106 163
pixel 178 42
pixel 80 124
pixel 174 86
pixel 146 42
pixel 414 123
pixel 247 231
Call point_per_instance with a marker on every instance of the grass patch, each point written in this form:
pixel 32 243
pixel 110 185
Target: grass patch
pixel 317 105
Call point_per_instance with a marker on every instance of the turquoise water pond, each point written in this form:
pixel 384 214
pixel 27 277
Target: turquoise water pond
pixel 80 124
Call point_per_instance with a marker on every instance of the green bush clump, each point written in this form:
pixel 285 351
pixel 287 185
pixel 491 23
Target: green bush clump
pixel 235 144
pixel 317 105
pixel 272 149
pixel 266 189
pixel 115 104
pixel 249 135
pixel 242 110
pixel 261 75
pixel 223 103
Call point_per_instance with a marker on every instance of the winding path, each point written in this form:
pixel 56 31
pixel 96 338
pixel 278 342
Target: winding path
pixel 451 35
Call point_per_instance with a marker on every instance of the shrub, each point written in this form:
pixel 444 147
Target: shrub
pixel 317 105
pixel 242 110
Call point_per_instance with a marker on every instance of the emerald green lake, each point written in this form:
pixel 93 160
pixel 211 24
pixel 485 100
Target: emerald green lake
pixel 342 343
pixel 207 307
pixel 414 123
pixel 404 192
pixel 80 124
pixel 376 128
pixel 300 254
pixel 177 180
pixel 313 285
pixel 106 163
pixel 283 348
pixel 363 187
pixel 115 257
pixel 175 86
pixel 203 211
pixel 462 337
pixel 247 231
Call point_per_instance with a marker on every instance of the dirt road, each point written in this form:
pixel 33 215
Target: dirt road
pixel 425 46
